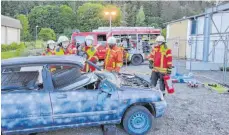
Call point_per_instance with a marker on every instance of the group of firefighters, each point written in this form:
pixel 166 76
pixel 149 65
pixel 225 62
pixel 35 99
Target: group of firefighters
pixel 160 58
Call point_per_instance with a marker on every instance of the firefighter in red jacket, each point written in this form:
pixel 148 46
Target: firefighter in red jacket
pixel 114 56
pixel 160 60
pixel 50 50
pixel 90 52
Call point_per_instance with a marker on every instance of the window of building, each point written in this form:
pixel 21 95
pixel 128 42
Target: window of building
pixel 193 27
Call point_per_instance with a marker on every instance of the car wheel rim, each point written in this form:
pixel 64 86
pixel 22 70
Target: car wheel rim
pixel 138 122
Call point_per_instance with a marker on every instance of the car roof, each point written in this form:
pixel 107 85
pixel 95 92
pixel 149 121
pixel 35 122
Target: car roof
pixel 42 60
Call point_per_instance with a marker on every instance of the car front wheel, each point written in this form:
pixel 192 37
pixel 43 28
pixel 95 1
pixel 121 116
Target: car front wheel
pixel 137 120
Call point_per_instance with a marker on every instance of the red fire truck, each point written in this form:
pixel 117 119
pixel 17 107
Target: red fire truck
pixel 133 39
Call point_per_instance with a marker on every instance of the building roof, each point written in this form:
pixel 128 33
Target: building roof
pixel 10 22
pixel 215 9
pixel 184 18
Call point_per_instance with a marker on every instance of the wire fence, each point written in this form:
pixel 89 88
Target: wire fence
pixel 189 56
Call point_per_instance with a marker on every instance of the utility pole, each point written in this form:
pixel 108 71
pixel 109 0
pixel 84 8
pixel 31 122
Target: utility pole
pixel 36 32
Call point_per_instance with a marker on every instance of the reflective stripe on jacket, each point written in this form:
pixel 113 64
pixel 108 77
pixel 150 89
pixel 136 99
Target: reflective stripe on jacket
pixel 91 56
pixel 162 58
pixel 114 59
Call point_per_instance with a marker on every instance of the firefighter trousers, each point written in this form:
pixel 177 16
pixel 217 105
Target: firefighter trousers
pixel 154 78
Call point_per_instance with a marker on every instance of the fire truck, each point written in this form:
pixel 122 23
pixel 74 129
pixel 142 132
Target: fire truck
pixel 137 41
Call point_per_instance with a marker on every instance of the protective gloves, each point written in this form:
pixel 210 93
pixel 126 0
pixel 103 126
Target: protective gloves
pixel 150 64
pixel 169 70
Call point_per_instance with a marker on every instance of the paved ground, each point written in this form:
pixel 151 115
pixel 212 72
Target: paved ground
pixel 190 111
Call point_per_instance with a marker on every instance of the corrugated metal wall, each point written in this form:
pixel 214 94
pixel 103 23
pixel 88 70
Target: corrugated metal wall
pixel 216 54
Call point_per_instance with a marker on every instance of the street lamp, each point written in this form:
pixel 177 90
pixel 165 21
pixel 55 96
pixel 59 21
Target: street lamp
pixel 36 32
pixel 112 13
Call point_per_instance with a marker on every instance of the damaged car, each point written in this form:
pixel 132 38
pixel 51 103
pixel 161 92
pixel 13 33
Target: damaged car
pixel 34 99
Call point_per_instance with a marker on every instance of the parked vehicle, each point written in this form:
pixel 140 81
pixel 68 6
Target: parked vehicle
pixel 138 40
pixel 67 98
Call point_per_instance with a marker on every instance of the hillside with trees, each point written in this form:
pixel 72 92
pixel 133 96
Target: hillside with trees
pixel 62 17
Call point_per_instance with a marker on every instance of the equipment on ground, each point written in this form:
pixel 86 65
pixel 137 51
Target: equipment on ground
pixel 193 84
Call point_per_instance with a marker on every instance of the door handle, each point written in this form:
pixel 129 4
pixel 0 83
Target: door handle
pixel 61 96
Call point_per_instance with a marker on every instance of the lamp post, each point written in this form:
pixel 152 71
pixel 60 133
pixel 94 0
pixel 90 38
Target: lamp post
pixel 36 32
pixel 112 13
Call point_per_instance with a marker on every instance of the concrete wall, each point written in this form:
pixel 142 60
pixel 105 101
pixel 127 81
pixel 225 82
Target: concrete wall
pixel 9 35
pixel 3 35
pixel 177 31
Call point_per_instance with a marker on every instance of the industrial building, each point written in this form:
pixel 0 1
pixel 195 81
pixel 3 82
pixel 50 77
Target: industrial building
pixel 10 30
pixel 204 38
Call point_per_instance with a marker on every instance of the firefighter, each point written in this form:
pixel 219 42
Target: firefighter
pixel 51 46
pixel 50 50
pixel 114 56
pixel 90 52
pixel 65 48
pixel 160 60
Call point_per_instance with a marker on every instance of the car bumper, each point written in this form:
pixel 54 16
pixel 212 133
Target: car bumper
pixel 160 108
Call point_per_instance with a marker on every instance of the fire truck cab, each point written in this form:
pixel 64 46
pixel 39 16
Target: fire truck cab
pixel 137 41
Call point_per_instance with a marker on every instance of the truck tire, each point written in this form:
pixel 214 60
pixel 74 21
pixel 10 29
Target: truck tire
pixel 137 120
pixel 136 59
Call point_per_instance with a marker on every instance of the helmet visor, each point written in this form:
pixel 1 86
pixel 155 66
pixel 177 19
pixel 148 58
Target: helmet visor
pixel 65 44
pixel 52 46
pixel 89 42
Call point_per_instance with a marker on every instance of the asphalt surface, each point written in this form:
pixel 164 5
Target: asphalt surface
pixel 190 111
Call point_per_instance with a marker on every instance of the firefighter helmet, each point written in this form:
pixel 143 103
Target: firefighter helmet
pixel 89 40
pixel 160 39
pixel 111 40
pixel 51 44
pixel 89 37
pixel 62 39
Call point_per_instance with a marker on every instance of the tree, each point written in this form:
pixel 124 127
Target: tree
pixel 68 32
pixel 51 16
pixel 151 9
pixel 131 11
pixel 163 32
pixel 46 34
pixel 140 18
pixel 25 36
pixel 155 21
pixel 91 16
